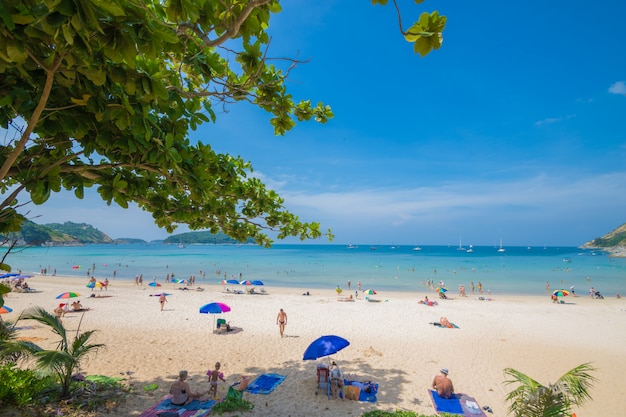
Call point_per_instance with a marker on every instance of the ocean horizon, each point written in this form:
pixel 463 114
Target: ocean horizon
pixel 515 270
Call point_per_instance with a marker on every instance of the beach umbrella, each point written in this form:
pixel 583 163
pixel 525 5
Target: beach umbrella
pixel 154 284
pixel 257 282
pixel 8 275
pixel 441 289
pixel 100 284
pixel 91 284
pixel 369 292
pixel 5 310
pixel 324 346
pixel 68 294
pixel 18 277
pixel 245 282
pixel 560 293
pixel 214 308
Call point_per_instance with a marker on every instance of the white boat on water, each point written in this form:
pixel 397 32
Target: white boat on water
pixel 501 248
pixel 471 249
pixel 460 245
pixel 417 249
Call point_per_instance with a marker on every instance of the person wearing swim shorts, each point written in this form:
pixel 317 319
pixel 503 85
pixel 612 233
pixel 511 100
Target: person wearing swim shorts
pixel 281 320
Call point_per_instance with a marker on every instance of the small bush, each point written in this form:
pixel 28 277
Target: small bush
pixel 21 387
pixel 232 404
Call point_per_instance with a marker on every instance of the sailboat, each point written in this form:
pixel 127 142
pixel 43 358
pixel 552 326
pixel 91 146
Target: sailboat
pixel 460 246
pixel 501 248
pixel 417 249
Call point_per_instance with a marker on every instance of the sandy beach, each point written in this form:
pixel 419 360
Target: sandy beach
pixel 391 343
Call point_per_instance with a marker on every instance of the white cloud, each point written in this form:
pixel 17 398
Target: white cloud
pixel 551 120
pixel 536 210
pixel 618 88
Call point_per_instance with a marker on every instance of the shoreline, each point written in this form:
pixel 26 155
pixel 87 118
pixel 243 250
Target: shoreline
pixel 392 342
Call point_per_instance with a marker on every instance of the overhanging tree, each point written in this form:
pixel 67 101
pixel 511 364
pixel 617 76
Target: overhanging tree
pixel 106 92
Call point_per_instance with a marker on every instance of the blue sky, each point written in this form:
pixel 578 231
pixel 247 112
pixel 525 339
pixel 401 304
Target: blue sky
pixel 515 129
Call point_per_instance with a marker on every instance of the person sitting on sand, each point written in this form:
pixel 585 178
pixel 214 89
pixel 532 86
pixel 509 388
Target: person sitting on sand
pixel 181 393
pixel 443 384
pixel 77 306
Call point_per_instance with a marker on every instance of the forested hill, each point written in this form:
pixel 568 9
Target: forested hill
pixel 56 234
pixel 75 234
pixel 202 238
pixel 613 239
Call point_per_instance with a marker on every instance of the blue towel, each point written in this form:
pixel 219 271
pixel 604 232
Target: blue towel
pixel 266 383
pixel 369 397
pixel 445 405
pixel 166 404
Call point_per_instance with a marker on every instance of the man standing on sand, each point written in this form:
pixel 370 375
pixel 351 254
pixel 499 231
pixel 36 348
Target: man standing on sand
pixel 443 384
pixel 281 320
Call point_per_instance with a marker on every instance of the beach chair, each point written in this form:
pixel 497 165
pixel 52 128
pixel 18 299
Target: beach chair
pixel 222 326
pixel 323 379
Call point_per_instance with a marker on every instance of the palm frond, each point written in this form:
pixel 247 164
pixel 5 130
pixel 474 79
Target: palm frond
pixel 47 319
pixel 532 399
pixel 576 383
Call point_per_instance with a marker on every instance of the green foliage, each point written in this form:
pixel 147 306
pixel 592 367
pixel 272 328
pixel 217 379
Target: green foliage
pixel 532 399
pixel 4 289
pixel 22 387
pixel 230 404
pixel 105 94
pixel 62 362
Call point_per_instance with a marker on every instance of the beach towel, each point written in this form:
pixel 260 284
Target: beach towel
pixel 366 390
pixel 194 409
pixel 266 383
pixel 460 404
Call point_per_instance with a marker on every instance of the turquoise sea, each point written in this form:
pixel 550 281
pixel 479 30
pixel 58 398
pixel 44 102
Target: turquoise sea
pixel 518 270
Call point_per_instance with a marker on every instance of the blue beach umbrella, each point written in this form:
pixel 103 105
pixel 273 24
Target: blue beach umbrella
pixel 257 282
pixel 324 346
